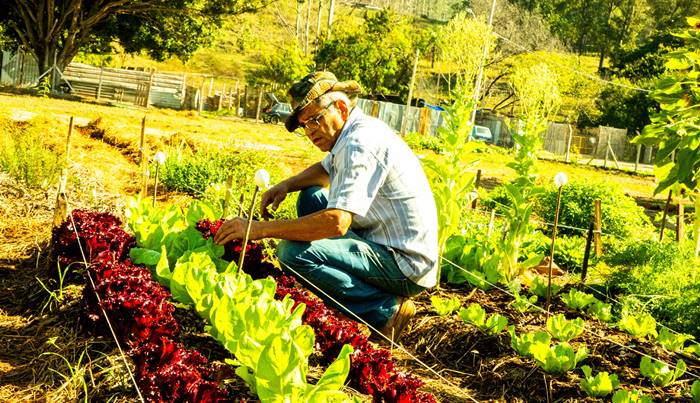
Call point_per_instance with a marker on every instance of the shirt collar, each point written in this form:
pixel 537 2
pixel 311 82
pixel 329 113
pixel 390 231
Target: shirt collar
pixel 355 114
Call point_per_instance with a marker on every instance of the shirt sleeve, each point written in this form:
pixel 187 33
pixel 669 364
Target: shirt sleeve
pixel 326 162
pixel 359 176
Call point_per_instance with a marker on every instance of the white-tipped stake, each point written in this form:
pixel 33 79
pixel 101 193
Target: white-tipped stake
pixel 560 180
pixel 262 181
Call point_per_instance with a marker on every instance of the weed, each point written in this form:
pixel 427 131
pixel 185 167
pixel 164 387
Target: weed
pixel 55 297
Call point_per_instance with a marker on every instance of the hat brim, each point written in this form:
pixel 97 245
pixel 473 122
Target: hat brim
pixel 350 88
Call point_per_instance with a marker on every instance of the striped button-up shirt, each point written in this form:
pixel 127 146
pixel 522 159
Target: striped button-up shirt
pixel 375 176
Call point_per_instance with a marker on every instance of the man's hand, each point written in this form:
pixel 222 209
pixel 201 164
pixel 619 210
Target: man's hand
pixel 231 230
pixel 272 198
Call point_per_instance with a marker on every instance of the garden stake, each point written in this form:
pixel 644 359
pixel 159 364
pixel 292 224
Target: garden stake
pixel 663 220
pixel 240 205
pixel 159 159
pixel 559 180
pixel 247 230
pixel 61 208
pixel 587 253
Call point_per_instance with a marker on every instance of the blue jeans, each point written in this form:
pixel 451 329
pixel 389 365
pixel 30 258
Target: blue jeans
pixel 362 276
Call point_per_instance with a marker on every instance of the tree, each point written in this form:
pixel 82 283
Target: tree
pixel 379 54
pixel 284 66
pixel 675 128
pixel 60 28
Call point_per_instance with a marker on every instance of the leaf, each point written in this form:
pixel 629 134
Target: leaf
pixel 634 396
pixel 473 314
pixel 336 373
pixel 599 386
pixel 578 300
pixel 695 391
pixel 672 341
pixel 563 329
pixel 143 256
pixel 445 306
pixel 659 372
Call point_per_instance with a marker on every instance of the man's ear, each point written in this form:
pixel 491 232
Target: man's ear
pixel 342 108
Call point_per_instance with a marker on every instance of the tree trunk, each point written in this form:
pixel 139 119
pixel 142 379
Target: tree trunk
pixel 308 23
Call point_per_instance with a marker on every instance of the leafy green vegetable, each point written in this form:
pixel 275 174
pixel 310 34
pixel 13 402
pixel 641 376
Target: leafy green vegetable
pixel 523 343
pixel 695 391
pixel 445 306
pixel 634 396
pixel 693 348
pixel 525 304
pixel 601 311
pixel 539 287
pixel 557 359
pixel 578 300
pixel 672 341
pixel 476 315
pixel 602 384
pixel 659 372
pixel 640 325
pixel 563 329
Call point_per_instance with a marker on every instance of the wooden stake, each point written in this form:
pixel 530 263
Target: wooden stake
pixel 477 182
pixel 680 225
pixel 597 219
pixel 143 159
pixel 61 209
pixel 587 253
pixel 241 257
pixel 663 220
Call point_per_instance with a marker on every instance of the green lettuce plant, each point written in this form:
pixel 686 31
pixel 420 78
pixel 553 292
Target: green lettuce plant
pixel 563 329
pixel 633 396
pixel 600 385
pixel 672 341
pixel 659 372
pixel 695 391
pixel 539 287
pixel 523 343
pixel 475 315
pixel 559 358
pixel 693 349
pixel 445 306
pixel 601 311
pixel 524 304
pixel 578 300
pixel 640 325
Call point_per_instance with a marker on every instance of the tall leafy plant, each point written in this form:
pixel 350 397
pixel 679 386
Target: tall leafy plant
pixel 675 128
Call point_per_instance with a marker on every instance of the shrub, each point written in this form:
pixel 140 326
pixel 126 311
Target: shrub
pixel 621 216
pixel 664 277
pixel 28 154
pixel 419 141
pixel 193 173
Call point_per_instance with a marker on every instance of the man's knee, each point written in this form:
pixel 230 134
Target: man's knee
pixel 311 200
pixel 288 252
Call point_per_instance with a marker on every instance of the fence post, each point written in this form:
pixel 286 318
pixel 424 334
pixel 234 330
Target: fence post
pixel 230 97
pixel 568 142
pixel 211 86
pixel 221 98
pixel 598 228
pixel 477 182
pixel 61 208
pixel 200 107
pixel 679 221
pixel 99 84
pixel 147 99
pixel 245 101
pixel 607 150
pixel 663 220
pixel 636 160
pixel 261 89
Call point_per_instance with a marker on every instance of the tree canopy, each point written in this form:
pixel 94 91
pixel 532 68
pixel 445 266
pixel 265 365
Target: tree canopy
pixel 60 28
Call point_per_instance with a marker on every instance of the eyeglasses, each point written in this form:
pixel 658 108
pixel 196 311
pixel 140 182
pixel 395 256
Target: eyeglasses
pixel 313 123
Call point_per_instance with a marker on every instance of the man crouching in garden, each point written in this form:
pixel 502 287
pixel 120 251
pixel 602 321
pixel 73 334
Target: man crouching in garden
pixel 366 235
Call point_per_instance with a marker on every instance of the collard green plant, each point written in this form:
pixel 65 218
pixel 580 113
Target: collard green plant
pixel 445 306
pixel 523 343
pixel 563 329
pixel 600 385
pixel 633 396
pixel 559 358
pixel 659 372
pixel 578 300
pixel 672 341
pixel 640 325
pixel 674 128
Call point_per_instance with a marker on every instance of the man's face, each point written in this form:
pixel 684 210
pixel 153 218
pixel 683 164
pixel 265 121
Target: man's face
pixel 323 123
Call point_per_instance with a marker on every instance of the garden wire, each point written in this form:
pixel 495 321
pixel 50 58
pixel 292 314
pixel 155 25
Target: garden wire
pixel 487 212
pixel 584 328
pixel 394 344
pixel 99 301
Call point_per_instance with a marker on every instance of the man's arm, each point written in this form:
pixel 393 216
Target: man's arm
pixel 322 224
pixel 315 175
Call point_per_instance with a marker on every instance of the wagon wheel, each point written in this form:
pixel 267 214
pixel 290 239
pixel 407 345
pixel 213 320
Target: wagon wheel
pixel 274 120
